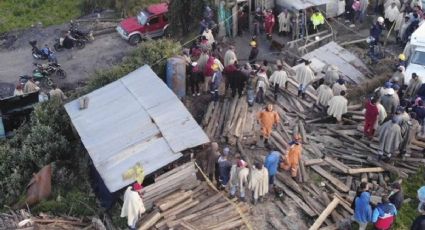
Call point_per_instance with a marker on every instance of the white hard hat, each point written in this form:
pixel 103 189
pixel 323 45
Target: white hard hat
pixel 380 20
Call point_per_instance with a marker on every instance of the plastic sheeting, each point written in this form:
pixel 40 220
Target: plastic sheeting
pixel 176 76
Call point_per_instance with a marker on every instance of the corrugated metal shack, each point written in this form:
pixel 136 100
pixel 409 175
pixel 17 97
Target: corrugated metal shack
pixel 136 119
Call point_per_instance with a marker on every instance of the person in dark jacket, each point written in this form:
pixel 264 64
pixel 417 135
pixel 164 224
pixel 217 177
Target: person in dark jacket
pixel 195 78
pixel 254 53
pixel 224 166
pixel 421 92
pixel 237 82
pixel 419 222
pixel 396 196
pixel 419 109
pixel 376 29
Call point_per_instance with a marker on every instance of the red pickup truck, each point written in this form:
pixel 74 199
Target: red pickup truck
pixel 149 23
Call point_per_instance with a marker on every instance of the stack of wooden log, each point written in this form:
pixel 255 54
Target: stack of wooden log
pixel 180 178
pixel 25 220
pixel 199 208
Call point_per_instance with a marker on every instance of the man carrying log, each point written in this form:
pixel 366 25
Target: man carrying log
pixel 338 105
pixel 133 207
pixel 371 116
pixel 271 163
pixel 278 78
pixel 259 182
pixel 304 76
pixel 293 156
pixel 267 118
pixel 389 138
pixel 238 178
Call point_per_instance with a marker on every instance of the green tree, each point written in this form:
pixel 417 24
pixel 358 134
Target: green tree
pixel 183 14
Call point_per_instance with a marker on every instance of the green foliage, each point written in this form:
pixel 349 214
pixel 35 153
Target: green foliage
pixel 154 53
pixel 132 7
pixel 183 14
pixel 17 14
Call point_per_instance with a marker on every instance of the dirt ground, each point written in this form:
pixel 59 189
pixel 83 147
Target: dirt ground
pixel 16 59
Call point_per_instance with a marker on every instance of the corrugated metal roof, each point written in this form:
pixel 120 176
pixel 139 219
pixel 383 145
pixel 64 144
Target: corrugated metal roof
pixel 134 119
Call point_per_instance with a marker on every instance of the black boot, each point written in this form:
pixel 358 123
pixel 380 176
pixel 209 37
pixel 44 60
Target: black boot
pixel 266 141
pixel 303 95
pixel 299 93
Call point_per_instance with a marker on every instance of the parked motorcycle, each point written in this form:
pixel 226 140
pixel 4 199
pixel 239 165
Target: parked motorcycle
pixel 75 43
pixel 38 77
pixel 49 69
pixel 79 34
pixel 40 55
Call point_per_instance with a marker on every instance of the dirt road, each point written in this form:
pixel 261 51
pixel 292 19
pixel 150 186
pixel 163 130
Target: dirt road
pixel 105 51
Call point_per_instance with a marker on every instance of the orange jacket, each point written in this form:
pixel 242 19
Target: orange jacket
pixel 267 119
pixel 294 154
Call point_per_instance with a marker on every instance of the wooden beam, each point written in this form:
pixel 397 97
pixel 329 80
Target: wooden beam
pixel 339 185
pixel 365 170
pixel 328 210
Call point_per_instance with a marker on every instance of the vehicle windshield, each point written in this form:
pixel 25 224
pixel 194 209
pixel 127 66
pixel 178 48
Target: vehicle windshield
pixel 418 58
pixel 142 17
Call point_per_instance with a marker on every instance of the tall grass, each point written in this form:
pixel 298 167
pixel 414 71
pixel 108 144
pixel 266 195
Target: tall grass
pixel 18 14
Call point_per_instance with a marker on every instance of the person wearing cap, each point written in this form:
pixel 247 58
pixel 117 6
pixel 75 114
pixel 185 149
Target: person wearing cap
pixel 258 182
pixel 419 222
pixel 371 117
pixel 31 86
pixel 215 82
pixel 396 196
pixel 304 76
pixel 398 76
pixel 414 85
pixel 56 93
pixel 224 166
pixel 267 119
pixel 324 95
pixel 339 86
pixel 383 215
pixel 195 78
pixel 317 19
pixel 292 156
pixel 389 138
pixel 390 100
pixel 133 206
pixel 269 22
pixel 230 56
pixel 238 178
pixel 376 30
pixel 253 53
pixel 338 106
pixel 279 78
pixel 271 163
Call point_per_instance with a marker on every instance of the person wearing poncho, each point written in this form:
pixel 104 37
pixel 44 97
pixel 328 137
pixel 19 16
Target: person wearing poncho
pixel 390 101
pixel 338 106
pixel 391 13
pixel 324 94
pixel 339 86
pixel 331 74
pixel 278 78
pixel 293 156
pixel 414 84
pixel 230 57
pixel 238 178
pixel 405 126
pixel 133 207
pixel 284 21
pixel 371 116
pixel 267 118
pixel 259 182
pixel 304 76
pixel 389 138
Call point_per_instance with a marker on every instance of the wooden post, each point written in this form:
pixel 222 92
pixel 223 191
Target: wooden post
pixel 328 210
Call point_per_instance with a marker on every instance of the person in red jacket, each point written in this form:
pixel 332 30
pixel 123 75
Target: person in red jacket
pixel 269 23
pixel 371 115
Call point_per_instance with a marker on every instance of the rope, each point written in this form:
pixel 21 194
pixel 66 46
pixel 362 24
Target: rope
pixel 244 219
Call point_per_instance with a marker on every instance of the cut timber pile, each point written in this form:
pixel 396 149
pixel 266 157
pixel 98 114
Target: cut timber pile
pixel 335 155
pixel 24 220
pixel 198 208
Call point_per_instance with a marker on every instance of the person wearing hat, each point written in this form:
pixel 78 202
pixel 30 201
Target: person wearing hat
pixel 292 157
pixel 254 53
pixel 258 182
pixel 238 177
pixel 389 138
pixel 338 106
pixel 414 85
pixel 230 56
pixel 383 215
pixel 324 95
pixel 396 196
pixel 267 119
pixel 371 117
pixel 376 30
pixel 278 78
pixel 390 99
pixel 317 19
pixel 224 166
pixel 271 162
pixel 304 76
pixel 339 86
pixel 133 206
pixel 215 82
pixel 402 61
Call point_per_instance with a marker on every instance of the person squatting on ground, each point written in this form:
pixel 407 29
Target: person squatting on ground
pixel 267 119
pixel 292 157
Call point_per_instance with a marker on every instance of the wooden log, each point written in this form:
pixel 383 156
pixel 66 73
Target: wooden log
pixel 349 181
pixel 187 226
pixel 365 170
pixel 339 185
pixel 204 204
pixel 309 162
pixel 231 225
pixel 337 164
pixel 167 205
pixel 231 115
pixel 344 203
pixel 180 208
pixel 208 114
pixel 302 132
pixel 198 214
pixel 150 220
pixel 360 144
pixel 304 172
pixel 335 215
pixel 330 227
pixel 296 199
pixel 319 221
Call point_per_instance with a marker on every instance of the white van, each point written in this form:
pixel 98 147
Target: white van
pixel 416 57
